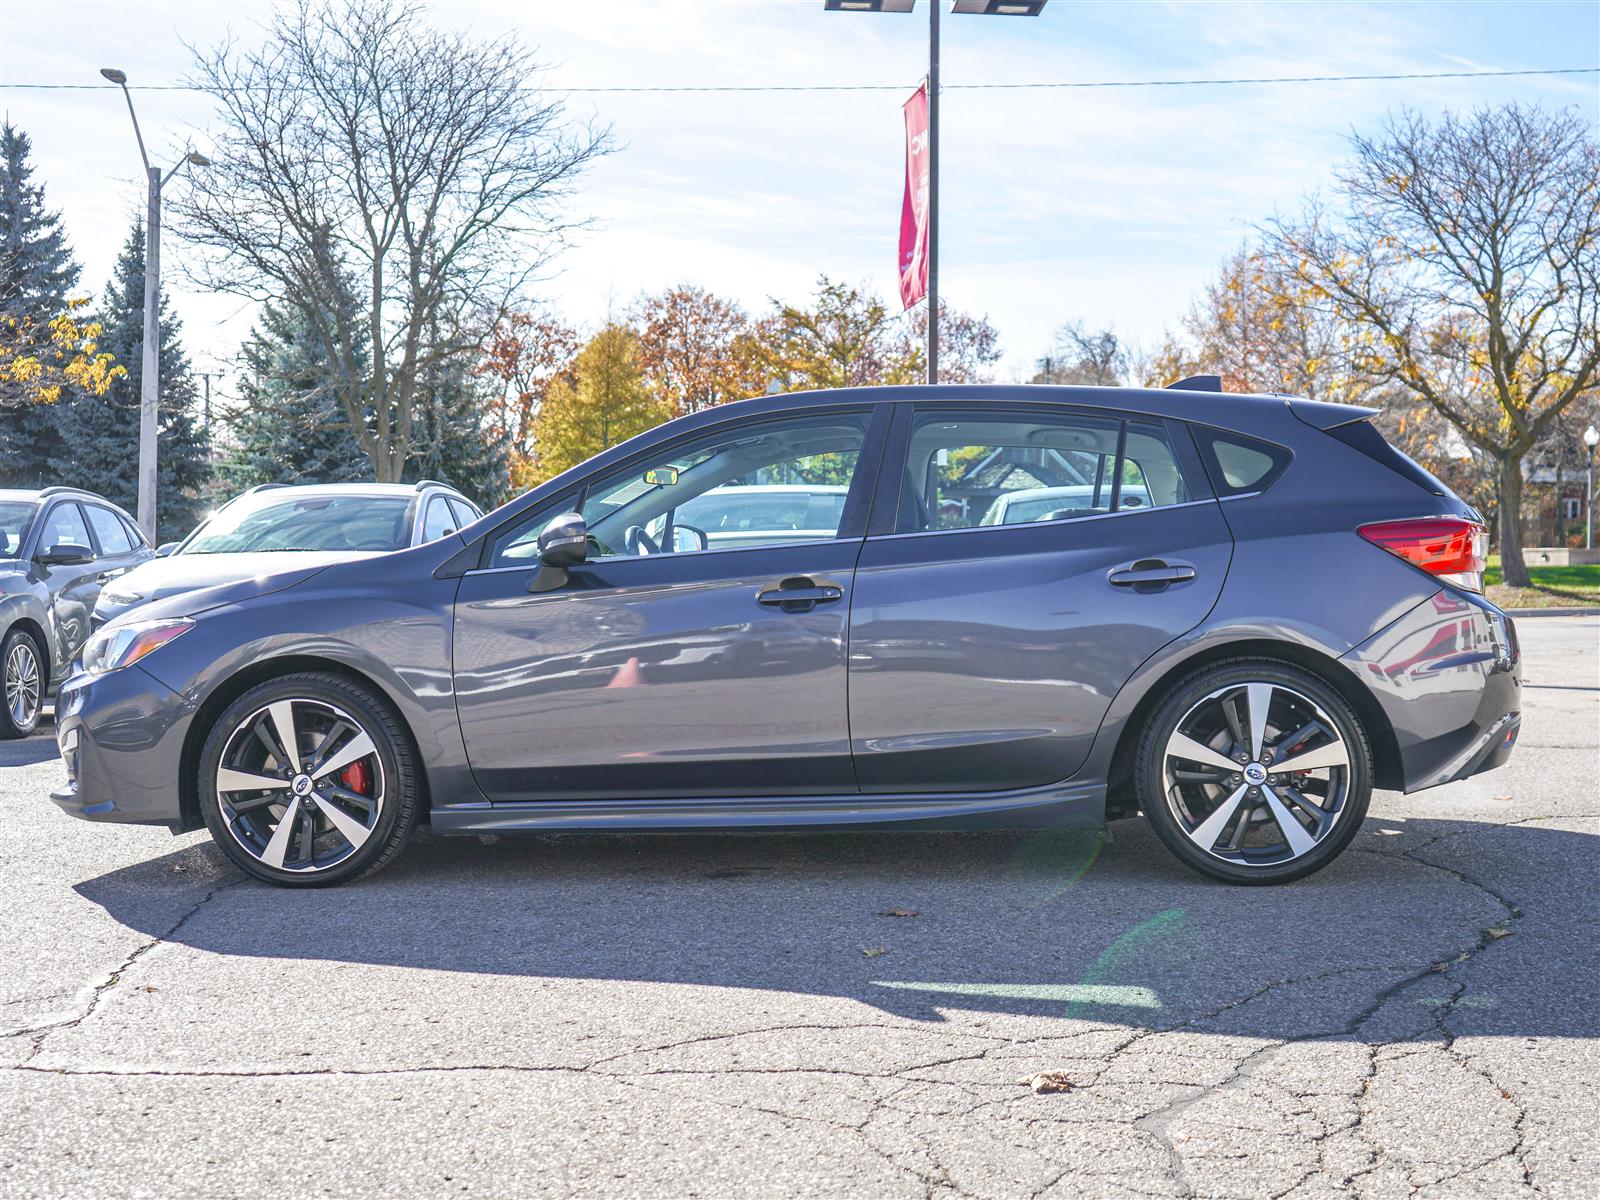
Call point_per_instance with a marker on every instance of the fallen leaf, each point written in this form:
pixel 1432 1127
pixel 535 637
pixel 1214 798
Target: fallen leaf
pixel 874 951
pixel 1496 932
pixel 899 912
pixel 1046 1082
pixel 1502 797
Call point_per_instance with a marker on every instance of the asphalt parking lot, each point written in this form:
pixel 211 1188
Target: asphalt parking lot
pixel 757 1016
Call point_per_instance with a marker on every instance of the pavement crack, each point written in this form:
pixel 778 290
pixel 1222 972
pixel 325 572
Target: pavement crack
pixel 96 992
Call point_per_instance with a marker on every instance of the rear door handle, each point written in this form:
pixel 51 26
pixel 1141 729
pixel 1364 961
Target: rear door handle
pixel 800 594
pixel 1151 574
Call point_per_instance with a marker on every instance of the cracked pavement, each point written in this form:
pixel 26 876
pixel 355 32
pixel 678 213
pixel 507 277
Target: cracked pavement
pixel 699 1016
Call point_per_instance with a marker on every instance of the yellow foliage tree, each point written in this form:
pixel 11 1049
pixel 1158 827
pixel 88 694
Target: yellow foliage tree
pixel 38 360
pixel 606 402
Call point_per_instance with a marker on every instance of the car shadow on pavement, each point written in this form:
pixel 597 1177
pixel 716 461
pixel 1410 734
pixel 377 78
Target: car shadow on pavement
pixel 28 751
pixel 1056 923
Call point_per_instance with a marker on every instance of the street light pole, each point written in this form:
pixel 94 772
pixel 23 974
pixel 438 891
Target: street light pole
pixel 1591 439
pixel 150 365
pixel 991 8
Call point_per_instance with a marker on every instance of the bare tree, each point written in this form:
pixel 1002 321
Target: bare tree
pixel 1093 357
pixel 363 151
pixel 1470 251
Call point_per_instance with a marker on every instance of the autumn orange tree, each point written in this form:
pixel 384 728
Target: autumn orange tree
pixel 604 402
pixel 846 337
pixel 1468 253
pixel 697 350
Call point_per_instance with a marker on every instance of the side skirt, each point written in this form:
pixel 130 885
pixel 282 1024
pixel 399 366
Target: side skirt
pixel 1059 806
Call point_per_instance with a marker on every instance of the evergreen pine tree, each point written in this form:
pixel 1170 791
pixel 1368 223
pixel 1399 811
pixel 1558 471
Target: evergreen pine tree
pixel 100 434
pixel 36 274
pixel 290 428
pixel 451 441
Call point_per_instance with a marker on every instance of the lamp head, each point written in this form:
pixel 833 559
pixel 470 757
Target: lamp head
pixel 197 159
pixel 1591 437
pixel 120 78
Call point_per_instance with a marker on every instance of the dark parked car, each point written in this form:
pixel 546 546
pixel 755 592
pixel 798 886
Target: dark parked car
pixel 277 527
pixel 1289 617
pixel 58 548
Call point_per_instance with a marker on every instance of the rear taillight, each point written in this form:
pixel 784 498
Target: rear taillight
pixel 1452 548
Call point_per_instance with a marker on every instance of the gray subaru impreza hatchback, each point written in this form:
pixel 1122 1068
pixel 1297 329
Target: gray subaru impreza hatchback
pixel 1235 614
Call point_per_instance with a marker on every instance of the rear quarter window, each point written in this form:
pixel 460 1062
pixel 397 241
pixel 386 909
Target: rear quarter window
pixel 1238 464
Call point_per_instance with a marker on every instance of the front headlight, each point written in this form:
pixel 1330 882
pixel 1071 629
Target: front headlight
pixel 118 646
pixel 113 596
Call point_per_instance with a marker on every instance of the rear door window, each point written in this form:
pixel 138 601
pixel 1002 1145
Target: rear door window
pixel 1020 466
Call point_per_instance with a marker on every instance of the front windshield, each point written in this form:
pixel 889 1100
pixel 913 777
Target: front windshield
pixel 15 516
pixel 255 525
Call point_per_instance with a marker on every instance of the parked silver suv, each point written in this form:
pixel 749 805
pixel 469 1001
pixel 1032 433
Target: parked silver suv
pixel 58 548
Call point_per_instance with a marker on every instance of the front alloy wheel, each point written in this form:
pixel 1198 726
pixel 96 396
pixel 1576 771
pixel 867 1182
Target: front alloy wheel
pixel 308 780
pixel 21 685
pixel 1255 773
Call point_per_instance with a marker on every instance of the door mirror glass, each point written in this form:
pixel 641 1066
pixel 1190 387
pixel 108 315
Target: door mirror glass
pixel 686 539
pixel 165 549
pixel 564 542
pixel 64 554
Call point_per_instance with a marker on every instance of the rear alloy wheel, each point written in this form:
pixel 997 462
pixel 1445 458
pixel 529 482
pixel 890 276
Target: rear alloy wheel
pixel 1255 772
pixel 21 685
pixel 308 780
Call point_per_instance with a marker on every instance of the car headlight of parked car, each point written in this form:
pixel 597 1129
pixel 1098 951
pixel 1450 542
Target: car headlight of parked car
pixel 119 646
pixel 116 596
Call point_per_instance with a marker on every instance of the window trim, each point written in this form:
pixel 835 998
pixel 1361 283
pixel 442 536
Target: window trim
pixel 886 509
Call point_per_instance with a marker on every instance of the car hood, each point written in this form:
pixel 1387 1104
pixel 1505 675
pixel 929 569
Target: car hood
pixel 160 578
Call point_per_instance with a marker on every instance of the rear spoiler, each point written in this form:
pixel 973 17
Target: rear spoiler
pixel 1320 415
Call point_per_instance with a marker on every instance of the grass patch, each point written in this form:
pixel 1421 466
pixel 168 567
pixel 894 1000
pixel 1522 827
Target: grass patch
pixel 1553 587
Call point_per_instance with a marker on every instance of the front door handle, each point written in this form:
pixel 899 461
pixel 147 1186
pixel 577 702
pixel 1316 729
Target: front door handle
pixel 800 594
pixel 1151 575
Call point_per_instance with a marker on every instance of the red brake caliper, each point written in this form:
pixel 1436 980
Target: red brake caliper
pixel 357 778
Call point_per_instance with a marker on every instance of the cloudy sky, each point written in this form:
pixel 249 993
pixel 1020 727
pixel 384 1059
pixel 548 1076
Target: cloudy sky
pixel 1108 205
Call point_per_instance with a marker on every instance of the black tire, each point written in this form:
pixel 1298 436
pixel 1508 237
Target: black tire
pixel 333 700
pixel 1180 810
pixel 20 640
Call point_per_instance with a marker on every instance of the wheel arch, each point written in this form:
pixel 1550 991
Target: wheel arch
pixel 241 682
pixel 1386 766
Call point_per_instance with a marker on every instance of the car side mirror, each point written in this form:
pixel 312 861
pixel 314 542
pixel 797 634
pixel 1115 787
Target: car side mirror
pixel 563 543
pixel 64 554
pixel 165 549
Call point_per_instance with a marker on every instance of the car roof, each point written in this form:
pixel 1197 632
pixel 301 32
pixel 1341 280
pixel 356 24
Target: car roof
pixel 289 491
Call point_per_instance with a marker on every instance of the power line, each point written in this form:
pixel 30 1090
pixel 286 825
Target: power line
pixel 949 87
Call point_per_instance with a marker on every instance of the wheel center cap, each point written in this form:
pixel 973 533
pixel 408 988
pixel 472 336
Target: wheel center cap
pixel 301 785
pixel 1255 774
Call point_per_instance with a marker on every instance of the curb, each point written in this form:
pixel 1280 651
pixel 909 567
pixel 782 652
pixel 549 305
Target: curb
pixel 1551 612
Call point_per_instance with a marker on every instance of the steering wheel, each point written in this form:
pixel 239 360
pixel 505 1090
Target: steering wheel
pixel 375 544
pixel 637 542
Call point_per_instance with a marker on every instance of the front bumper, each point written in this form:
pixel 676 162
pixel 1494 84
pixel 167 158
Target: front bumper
pixel 1447 675
pixel 121 737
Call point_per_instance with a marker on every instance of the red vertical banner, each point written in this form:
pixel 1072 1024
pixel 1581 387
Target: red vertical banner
pixel 914 205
